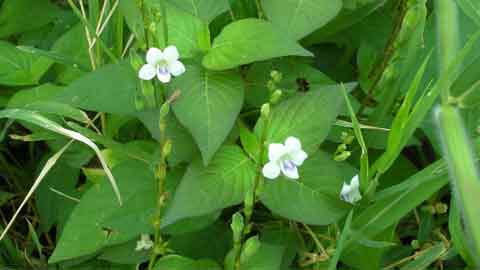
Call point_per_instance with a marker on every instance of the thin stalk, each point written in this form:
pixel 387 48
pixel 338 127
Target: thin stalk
pixel 86 24
pixel 464 174
pixel 163 10
pixel 252 197
pixel 447 28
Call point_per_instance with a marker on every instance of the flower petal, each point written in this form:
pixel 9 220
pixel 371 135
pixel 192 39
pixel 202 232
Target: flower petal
pixel 176 68
pixel 154 55
pixel 147 72
pixel 355 182
pixel 293 144
pixel 289 170
pixel 171 54
pixel 276 151
pixel 271 170
pixel 163 75
pixel 298 157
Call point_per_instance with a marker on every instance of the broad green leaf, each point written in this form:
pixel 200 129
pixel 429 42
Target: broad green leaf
pixel 176 262
pixel 426 258
pixel 95 90
pixel 250 40
pixel 268 257
pixel 41 93
pixel 192 244
pixel 125 253
pixel 53 207
pixel 315 197
pixel 206 10
pixel 20 68
pixel 346 18
pixel 187 32
pixel 133 15
pixel 297 74
pixel 71 50
pixel 208 106
pixel 307 116
pixel 299 18
pixel 16 15
pixel 89 227
pixel 204 190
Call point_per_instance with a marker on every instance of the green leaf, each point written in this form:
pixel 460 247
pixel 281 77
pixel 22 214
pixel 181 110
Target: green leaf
pixel 95 90
pixel 206 10
pixel 249 40
pixel 20 68
pixel 306 116
pixel 5 197
pixel 204 190
pixel 186 31
pixel 395 202
pixel 268 257
pixel 98 221
pixel 299 18
pixel 53 207
pixel 133 17
pixel 458 234
pixel 14 15
pixel 315 197
pixel 341 242
pixel 125 253
pixel 192 244
pixel 208 106
pixel 181 263
pixel 426 258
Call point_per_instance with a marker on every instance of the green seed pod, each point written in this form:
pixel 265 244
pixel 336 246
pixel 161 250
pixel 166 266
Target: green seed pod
pixel 250 248
pixel 276 76
pixel 164 110
pixel 441 208
pixel 275 97
pixel 271 86
pixel 248 202
pixel 342 156
pixel 237 226
pixel 415 244
pixel 167 148
pixel 265 110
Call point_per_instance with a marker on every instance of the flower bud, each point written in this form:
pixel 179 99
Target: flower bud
pixel 276 76
pixel 276 96
pixel 265 110
pixel 441 208
pixel 237 226
pixel 342 156
pixel 250 248
pixel 167 148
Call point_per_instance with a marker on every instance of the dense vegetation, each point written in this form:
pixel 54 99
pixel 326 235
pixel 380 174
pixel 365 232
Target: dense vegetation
pixel 239 134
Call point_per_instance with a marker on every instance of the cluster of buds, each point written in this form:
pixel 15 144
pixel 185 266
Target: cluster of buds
pixel 272 86
pixel 342 153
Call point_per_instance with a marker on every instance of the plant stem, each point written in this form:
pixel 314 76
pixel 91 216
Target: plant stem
pixel 447 28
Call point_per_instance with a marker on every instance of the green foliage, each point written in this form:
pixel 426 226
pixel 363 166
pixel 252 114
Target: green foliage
pixel 248 157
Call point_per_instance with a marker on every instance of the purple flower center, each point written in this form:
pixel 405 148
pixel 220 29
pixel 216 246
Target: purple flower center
pixel 288 165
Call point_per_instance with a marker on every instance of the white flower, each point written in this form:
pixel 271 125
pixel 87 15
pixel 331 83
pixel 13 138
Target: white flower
pixel 144 243
pixel 351 193
pixel 162 64
pixel 284 158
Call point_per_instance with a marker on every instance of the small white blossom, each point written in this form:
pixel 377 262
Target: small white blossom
pixel 284 158
pixel 162 64
pixel 145 243
pixel 351 193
